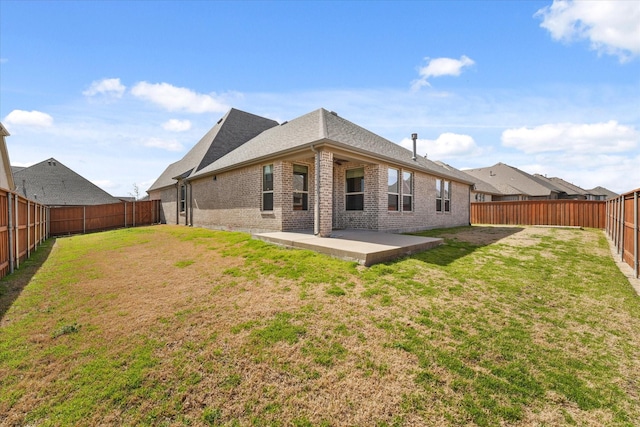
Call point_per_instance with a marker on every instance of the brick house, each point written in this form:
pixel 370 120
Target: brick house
pixel 317 172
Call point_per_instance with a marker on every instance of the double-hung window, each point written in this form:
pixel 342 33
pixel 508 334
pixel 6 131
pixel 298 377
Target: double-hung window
pixel 393 190
pixel 407 191
pixel 443 195
pixel 267 188
pixel 183 198
pixel 300 188
pixel 355 190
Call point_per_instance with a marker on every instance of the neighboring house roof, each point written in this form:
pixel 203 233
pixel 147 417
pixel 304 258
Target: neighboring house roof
pixel 513 181
pixel 6 174
pixel 479 185
pixel 52 183
pixel 564 186
pixel 232 130
pixel 324 127
pixel 601 191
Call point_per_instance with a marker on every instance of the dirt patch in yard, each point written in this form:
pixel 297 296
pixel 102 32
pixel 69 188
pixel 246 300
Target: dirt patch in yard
pixel 229 331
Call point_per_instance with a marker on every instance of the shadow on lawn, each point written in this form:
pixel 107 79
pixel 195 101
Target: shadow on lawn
pixel 461 241
pixel 11 286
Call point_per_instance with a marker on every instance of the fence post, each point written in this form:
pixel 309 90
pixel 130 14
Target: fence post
pixel 28 228
pixel 10 230
pixel 17 236
pixel 84 219
pixel 635 233
pixel 134 213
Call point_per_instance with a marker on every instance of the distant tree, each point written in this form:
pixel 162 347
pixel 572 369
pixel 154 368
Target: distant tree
pixel 136 192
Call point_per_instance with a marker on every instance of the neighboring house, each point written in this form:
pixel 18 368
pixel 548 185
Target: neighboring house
pixel 601 193
pixel 515 184
pixel 481 191
pixel 52 183
pixel 317 172
pixel 6 174
pixel 568 190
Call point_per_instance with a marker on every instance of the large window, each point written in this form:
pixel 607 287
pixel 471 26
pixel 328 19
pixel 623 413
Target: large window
pixel 393 190
pixel 355 190
pixel 183 197
pixel 407 191
pixel 300 188
pixel 267 188
pixel 443 195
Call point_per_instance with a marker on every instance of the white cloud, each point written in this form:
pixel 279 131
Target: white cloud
pixel 108 87
pixel 612 27
pixel 29 118
pixel 104 183
pixel 165 144
pixel 175 125
pixel 606 137
pixel 439 67
pixel 448 145
pixel 178 98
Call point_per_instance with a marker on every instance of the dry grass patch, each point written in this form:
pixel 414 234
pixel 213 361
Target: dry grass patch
pixel 171 325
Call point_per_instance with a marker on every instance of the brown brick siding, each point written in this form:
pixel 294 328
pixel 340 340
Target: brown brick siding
pixel 232 201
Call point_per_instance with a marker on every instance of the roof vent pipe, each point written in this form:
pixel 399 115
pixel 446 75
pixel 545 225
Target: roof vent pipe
pixel 414 136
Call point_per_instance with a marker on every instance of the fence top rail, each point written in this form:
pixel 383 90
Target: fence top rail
pixel 550 201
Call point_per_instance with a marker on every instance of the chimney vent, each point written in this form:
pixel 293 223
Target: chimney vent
pixel 414 136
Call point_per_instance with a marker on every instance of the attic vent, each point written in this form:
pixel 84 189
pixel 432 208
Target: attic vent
pixel 220 120
pixel 284 123
pixel 334 113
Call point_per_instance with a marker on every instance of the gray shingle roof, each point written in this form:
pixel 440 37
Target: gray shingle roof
pixel 564 186
pixel 601 191
pixel 321 126
pixel 234 129
pixel 513 181
pixel 478 184
pixel 52 183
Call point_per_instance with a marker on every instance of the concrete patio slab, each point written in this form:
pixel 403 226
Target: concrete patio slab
pixel 365 247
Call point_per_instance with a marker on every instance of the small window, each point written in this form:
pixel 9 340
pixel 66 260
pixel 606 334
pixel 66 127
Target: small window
pixel 183 198
pixel 300 188
pixel 447 196
pixel 407 191
pixel 392 190
pixel 443 195
pixel 267 188
pixel 355 190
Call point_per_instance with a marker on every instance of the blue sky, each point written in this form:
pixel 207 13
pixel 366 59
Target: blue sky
pixel 119 90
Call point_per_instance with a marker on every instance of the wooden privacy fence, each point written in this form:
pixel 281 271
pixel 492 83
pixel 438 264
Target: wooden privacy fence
pixel 23 226
pixel 65 220
pixel 582 213
pixel 622 226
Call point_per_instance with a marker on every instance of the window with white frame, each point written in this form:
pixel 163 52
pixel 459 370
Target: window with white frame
pixel 447 195
pixel 267 188
pixel 300 187
pixel 407 191
pixel 393 190
pixel 183 198
pixel 355 190
pixel 443 195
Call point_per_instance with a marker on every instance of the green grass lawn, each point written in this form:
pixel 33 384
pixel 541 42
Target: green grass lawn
pixel 170 325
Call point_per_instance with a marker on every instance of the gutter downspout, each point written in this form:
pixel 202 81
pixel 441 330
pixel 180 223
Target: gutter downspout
pixel 190 212
pixel 178 203
pixel 316 205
